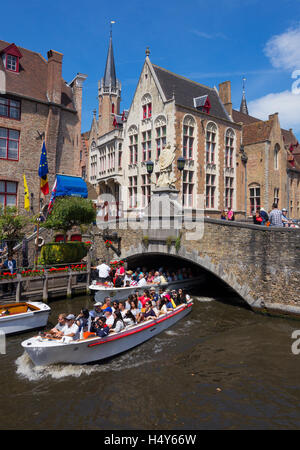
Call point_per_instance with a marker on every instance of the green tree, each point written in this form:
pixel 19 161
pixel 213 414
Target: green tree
pixel 69 212
pixel 11 227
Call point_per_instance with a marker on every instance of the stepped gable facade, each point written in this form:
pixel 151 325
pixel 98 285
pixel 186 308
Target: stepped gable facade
pixel 36 103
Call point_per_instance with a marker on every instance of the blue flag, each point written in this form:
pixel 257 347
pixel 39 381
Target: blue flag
pixel 43 170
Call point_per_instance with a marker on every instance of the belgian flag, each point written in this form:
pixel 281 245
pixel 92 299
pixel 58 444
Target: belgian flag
pixel 43 171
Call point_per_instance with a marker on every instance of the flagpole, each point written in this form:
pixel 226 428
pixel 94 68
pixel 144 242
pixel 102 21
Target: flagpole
pixel 37 231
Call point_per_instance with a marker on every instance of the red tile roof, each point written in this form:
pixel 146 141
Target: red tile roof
pixel 31 81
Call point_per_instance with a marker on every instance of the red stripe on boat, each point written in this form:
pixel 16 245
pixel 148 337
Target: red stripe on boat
pixel 156 321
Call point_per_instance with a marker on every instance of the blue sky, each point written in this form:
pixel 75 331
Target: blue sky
pixel 207 42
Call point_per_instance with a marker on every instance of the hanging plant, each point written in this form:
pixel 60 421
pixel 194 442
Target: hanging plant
pixel 108 243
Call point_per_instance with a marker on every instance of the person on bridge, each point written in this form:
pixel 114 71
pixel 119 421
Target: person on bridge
pixel 275 217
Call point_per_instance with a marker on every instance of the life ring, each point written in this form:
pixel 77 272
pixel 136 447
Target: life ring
pixel 41 242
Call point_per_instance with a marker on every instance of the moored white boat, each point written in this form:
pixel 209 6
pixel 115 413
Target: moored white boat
pixel 101 291
pixel 23 316
pixel 43 351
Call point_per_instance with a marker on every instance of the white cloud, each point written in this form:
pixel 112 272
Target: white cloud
pixel 284 49
pixel 286 103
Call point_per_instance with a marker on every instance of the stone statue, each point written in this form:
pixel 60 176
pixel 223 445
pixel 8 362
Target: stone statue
pixel 166 175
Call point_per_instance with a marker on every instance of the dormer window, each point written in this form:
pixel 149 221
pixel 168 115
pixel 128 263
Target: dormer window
pixel 202 104
pixel 12 63
pixel 11 57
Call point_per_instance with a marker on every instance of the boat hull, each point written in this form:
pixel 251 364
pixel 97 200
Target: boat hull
pixel 96 349
pixel 22 322
pixel 100 292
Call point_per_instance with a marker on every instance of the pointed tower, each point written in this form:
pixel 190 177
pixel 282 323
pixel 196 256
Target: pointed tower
pixel 243 107
pixel 109 93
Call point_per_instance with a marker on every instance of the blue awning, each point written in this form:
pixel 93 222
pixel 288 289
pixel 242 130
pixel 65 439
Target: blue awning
pixel 70 186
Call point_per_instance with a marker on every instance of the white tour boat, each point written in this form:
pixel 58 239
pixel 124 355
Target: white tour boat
pixel 23 316
pixel 100 290
pixel 44 351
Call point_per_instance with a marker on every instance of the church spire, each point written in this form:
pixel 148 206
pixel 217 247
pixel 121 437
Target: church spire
pixel 243 107
pixel 110 70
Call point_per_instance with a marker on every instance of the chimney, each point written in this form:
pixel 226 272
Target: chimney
pixel 225 96
pixel 54 76
pixel 273 116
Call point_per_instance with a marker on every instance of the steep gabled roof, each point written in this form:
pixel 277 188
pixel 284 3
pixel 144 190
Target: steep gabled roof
pixel 186 90
pixel 257 132
pixel 238 116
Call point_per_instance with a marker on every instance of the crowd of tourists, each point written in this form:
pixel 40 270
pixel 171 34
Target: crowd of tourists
pixel 276 217
pixel 114 316
pixel 119 277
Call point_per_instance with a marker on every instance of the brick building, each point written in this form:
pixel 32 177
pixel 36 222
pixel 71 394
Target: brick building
pixel 36 102
pixel 231 158
pixel 273 167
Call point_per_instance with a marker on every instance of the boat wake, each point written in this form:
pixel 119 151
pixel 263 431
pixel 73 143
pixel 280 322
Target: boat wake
pixel 26 368
pixel 203 299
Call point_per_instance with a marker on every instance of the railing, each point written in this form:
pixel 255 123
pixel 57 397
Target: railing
pixel 57 280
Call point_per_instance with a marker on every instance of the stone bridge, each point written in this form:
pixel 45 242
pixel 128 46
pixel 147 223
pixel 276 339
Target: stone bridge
pixel 261 264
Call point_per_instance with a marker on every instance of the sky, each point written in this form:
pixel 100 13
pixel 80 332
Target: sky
pixel 206 42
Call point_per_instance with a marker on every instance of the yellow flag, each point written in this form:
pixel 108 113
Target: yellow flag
pixel 26 195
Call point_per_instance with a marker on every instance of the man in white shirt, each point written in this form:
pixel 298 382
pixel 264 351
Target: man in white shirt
pixel 103 272
pixel 71 329
pixel 109 319
pixel 142 280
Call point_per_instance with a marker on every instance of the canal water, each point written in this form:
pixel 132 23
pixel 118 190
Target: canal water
pixel 221 367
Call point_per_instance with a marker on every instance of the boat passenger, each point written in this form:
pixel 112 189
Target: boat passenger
pixel 122 309
pixel 127 302
pixel 101 328
pixel 154 297
pixel 57 331
pixel 143 298
pixel 135 311
pixel 176 298
pixel 162 306
pixel 97 311
pixel 142 280
pixel 109 317
pixel 181 296
pixel 115 306
pixel 82 320
pixel 156 279
pixel 118 324
pixel 149 312
pixel 129 319
pixel 71 329
pixel 150 278
pixel 106 304
pixel 169 303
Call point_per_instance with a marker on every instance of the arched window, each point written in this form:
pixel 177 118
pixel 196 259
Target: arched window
pixel 160 134
pixel 147 106
pixel 188 137
pixel 211 140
